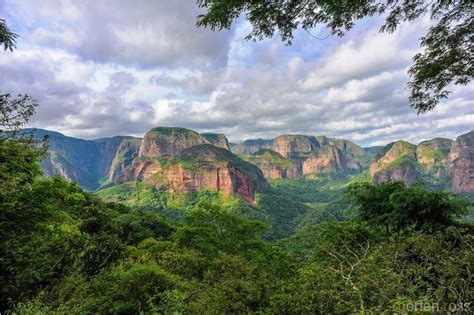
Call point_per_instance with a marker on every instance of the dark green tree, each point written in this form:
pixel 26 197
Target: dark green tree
pixel 395 207
pixel 7 37
pixel 448 46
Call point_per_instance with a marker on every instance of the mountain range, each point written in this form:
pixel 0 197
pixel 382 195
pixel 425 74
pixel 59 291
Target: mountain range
pixel 182 160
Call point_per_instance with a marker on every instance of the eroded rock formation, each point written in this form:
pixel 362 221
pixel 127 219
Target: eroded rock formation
pixel 462 159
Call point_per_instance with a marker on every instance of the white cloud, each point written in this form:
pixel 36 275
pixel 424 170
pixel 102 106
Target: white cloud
pixel 106 68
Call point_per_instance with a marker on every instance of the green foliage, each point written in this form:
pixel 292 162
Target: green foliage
pixel 351 268
pixel 7 37
pixel 396 207
pixel 402 161
pixel 173 131
pixel 274 157
pixel 65 251
pixel 126 289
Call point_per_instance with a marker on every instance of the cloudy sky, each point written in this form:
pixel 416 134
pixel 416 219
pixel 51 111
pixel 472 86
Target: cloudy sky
pixel 105 67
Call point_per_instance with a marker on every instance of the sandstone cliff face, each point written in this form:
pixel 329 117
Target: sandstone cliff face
pixel 108 148
pixel 406 174
pixel 199 167
pixel 433 156
pixel 84 161
pixel 355 156
pixel 272 164
pixel 437 162
pixel 391 154
pixel 217 139
pixel 291 145
pixel 160 158
pixel 396 162
pixel 326 160
pixel 126 153
pixel 308 155
pixel 462 159
pixel 167 141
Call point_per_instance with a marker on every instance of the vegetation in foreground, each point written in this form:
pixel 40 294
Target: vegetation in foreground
pixel 65 251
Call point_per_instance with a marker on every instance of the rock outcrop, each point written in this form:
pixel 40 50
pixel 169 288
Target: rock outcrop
pixel 272 164
pixel 198 167
pixel 355 156
pixel 295 145
pixel 126 153
pixel 403 173
pixel 462 159
pixel 396 162
pixel 84 161
pixel 308 154
pixel 217 139
pixel 433 156
pixel 169 141
pixel 323 160
pixel 439 163
pixel 179 159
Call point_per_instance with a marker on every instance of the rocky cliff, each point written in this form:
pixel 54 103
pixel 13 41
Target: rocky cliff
pixel 433 156
pixel 126 153
pixel 440 163
pixel 294 145
pixel 397 162
pixel 272 164
pixel 308 155
pixel 84 161
pixel 169 141
pixel 356 157
pixel 195 168
pixel 462 159
pixel 323 160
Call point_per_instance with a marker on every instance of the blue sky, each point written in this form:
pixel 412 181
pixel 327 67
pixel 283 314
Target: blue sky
pixel 102 68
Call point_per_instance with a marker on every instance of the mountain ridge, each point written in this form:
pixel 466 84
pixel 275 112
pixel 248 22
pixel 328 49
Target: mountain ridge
pixel 292 156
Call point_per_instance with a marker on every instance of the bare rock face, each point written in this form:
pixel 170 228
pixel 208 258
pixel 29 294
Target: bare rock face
pixel 396 162
pixel 392 154
pixel 126 152
pixel 252 146
pixel 199 167
pixel 326 159
pixel 169 141
pixel 355 156
pixel 291 145
pixel 217 139
pixel 273 164
pixel 433 156
pixel 462 159
pixel 84 161
pixel 406 174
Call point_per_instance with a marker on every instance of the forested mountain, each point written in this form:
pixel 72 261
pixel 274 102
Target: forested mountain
pixel 296 250
pixel 157 159
pixel 175 221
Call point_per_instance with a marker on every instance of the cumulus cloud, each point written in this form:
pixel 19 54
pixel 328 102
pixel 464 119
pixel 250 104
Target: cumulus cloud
pixel 106 68
pixel 140 33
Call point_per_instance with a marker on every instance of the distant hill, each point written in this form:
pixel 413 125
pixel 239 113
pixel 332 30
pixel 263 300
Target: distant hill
pixel 163 158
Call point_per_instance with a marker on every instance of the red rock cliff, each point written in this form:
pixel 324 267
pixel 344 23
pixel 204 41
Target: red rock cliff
pixel 196 168
pixel 462 158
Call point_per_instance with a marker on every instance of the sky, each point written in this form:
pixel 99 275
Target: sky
pixel 104 67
